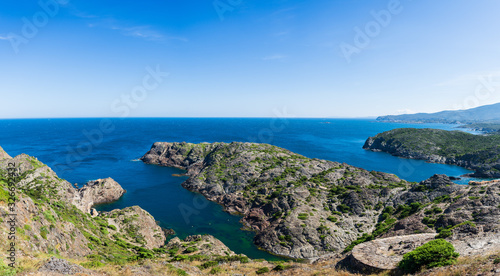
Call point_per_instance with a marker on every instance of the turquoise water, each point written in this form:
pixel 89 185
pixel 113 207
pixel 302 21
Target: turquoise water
pixel 84 149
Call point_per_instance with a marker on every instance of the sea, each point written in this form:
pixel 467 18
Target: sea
pixel 80 150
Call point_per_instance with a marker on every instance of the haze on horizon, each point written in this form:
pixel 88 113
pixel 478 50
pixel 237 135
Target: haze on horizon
pixel 239 58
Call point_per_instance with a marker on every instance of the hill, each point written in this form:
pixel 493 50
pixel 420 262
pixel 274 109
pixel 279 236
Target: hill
pixel 315 209
pixel 480 153
pixel 486 113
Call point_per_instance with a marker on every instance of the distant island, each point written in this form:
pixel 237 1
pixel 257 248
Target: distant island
pixel 488 116
pixel 480 153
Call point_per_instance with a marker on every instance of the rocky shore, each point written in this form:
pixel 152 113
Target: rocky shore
pixel 314 209
pixel 474 152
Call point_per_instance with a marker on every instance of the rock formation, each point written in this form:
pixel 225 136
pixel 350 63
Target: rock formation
pixel 51 216
pixel 3 154
pixel 309 208
pixel 97 192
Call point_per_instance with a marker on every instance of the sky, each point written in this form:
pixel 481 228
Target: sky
pixel 241 58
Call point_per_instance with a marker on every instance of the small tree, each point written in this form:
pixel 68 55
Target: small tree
pixel 432 254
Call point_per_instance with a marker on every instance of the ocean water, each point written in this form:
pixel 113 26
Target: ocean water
pixel 80 150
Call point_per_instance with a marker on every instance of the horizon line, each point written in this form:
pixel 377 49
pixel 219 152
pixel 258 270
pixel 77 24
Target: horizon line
pixel 189 117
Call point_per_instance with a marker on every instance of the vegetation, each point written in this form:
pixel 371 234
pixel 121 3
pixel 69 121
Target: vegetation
pixel 481 152
pixel 262 270
pixel 432 254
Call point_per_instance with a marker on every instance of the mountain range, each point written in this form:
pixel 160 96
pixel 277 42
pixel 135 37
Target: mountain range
pixel 481 114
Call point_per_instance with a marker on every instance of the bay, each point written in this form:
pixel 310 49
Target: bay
pixel 80 150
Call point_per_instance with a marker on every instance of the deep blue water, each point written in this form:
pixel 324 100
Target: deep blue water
pixel 85 149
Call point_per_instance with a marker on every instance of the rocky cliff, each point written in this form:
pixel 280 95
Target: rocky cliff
pixel 3 154
pixel 44 214
pixel 309 208
pixel 475 152
pixel 97 192
pixel 299 207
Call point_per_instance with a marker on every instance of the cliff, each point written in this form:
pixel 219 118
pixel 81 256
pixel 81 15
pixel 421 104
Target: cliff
pixel 44 214
pixel 479 153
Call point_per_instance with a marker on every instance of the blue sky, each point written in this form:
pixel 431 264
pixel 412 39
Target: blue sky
pixel 240 58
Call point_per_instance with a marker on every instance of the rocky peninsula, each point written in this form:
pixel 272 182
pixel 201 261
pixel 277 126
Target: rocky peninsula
pixel 479 153
pixel 312 209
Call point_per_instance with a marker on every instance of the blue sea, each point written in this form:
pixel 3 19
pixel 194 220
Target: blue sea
pixel 80 150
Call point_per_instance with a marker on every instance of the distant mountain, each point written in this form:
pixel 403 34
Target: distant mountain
pixel 485 113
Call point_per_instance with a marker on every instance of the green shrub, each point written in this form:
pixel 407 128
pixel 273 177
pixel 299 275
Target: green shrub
pixel 280 267
pixel 216 270
pixel 262 270
pixel 191 249
pixel 92 264
pixel 303 216
pixel 432 254
pixel 332 219
pixel 343 208
pixel 208 264
pixel 444 233
pixel 181 272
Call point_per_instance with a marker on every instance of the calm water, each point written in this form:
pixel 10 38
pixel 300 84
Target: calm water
pixel 85 149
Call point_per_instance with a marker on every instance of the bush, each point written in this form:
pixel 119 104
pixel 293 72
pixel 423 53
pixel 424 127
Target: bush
pixel 216 270
pixel 191 249
pixel 444 233
pixel 432 254
pixel 208 264
pixel 280 267
pixel 262 270
pixel 303 216
pixel 332 218
pixel 92 264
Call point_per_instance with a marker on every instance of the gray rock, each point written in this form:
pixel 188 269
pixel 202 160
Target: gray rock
pixel 55 265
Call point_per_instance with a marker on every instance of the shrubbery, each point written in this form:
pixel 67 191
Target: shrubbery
pixel 262 270
pixel 432 254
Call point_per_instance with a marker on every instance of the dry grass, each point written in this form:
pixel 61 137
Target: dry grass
pixel 480 265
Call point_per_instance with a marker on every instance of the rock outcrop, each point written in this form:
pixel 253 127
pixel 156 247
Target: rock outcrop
pixel 200 244
pixel 140 226
pixel 61 267
pixel 95 192
pixel 309 208
pixel 385 254
pixel 3 154
pixel 52 217
pixel 299 207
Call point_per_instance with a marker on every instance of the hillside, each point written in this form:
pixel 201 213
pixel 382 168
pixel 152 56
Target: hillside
pixel 55 229
pixel 475 152
pixel 315 209
pixel 486 113
pixel 299 205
